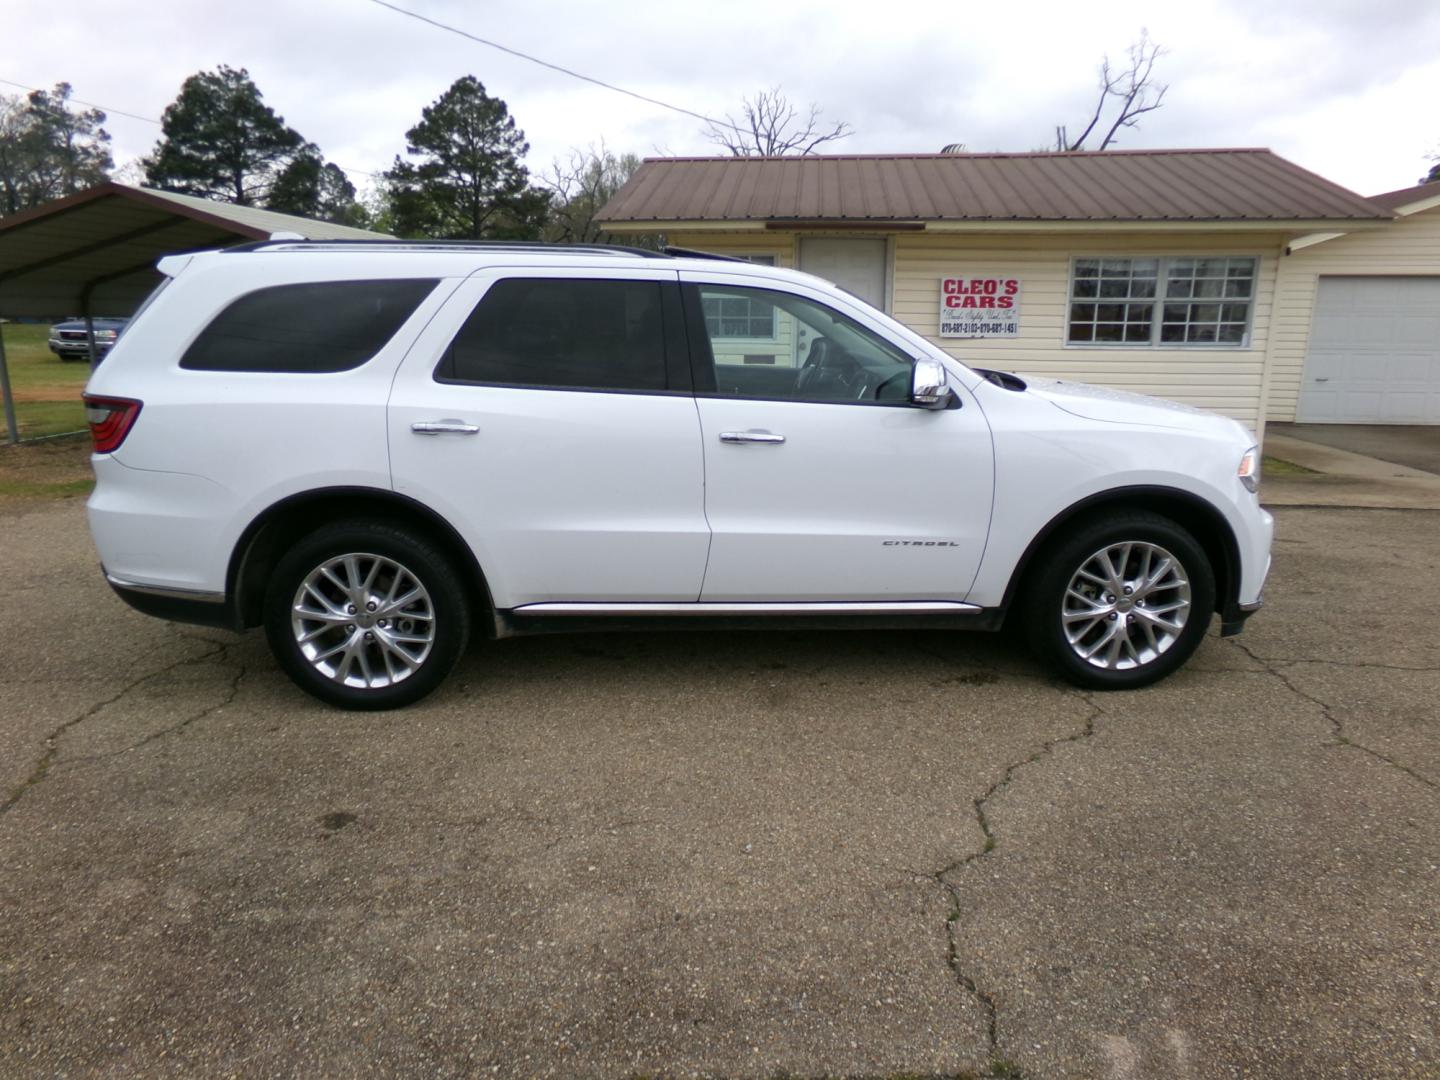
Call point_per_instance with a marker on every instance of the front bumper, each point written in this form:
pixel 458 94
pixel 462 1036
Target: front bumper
pixel 1232 619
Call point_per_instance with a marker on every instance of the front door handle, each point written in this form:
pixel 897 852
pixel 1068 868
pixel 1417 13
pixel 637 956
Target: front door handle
pixel 751 437
pixel 443 427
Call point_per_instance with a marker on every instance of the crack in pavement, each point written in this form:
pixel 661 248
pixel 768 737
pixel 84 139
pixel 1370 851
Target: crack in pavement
pixel 1336 724
pixel 231 693
pixel 941 877
pixel 52 741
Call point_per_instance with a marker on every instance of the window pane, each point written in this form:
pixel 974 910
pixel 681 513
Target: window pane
pixel 577 334
pixel 809 352
pixel 315 327
pixel 1209 279
pixel 1116 281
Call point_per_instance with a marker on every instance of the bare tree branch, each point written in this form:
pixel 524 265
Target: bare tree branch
pixel 1132 86
pixel 769 126
pixel 580 186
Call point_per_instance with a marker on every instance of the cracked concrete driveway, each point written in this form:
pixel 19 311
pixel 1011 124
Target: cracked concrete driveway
pixel 846 855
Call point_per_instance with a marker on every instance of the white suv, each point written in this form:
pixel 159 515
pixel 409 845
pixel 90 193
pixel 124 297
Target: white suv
pixel 372 448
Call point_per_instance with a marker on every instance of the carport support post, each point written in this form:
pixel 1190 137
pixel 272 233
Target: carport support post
pixel 10 422
pixel 90 334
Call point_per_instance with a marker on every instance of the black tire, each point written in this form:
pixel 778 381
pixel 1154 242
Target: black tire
pixel 443 612
pixel 1147 657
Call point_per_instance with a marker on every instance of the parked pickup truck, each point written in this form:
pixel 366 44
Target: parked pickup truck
pixel 68 342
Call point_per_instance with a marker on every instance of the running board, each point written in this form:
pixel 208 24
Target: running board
pixel 843 607
pixel 569 617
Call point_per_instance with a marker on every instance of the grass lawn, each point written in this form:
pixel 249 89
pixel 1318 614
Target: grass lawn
pixel 53 469
pixel 47 391
pixel 1272 466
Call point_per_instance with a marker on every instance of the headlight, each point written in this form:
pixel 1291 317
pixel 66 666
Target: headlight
pixel 105 335
pixel 1249 470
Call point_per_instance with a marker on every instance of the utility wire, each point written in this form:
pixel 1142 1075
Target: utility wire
pixel 145 119
pixel 88 104
pixel 555 67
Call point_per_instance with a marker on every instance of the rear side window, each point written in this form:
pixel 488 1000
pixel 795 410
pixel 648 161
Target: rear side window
pixel 572 334
pixel 311 328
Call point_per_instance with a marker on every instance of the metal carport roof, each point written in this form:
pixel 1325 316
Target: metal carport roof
pixel 95 251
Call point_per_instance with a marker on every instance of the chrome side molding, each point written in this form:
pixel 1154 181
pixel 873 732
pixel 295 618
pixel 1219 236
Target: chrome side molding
pixel 844 607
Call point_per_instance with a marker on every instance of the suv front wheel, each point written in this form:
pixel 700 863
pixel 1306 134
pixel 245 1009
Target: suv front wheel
pixel 1120 602
pixel 366 615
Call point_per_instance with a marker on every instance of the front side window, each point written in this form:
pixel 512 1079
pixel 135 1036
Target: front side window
pixel 816 354
pixel 740 318
pixel 563 334
pixel 316 327
pixel 1164 302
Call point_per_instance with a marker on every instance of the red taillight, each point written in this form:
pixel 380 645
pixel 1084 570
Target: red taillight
pixel 110 419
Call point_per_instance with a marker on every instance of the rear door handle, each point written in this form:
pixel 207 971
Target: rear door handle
pixel 443 427
pixel 751 437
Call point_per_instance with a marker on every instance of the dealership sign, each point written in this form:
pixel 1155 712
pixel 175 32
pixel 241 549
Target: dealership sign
pixel 980 307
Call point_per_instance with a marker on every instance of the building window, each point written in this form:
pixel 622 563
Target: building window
pixel 740 317
pixel 1161 302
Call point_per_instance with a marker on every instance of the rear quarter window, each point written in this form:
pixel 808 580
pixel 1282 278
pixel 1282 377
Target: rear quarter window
pixel 309 328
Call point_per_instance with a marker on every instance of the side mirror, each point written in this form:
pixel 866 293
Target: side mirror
pixel 928 389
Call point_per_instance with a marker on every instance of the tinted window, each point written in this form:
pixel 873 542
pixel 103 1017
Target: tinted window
pixel 315 327
pixel 811 352
pixel 554 332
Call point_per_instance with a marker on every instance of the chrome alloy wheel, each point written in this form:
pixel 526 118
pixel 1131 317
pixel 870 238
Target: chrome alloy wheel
pixel 363 621
pixel 1126 605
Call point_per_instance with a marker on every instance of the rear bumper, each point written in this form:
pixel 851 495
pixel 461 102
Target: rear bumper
pixel 177 605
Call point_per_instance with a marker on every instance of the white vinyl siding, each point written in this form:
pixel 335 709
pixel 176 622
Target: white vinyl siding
pixel 1225 378
pixel 1408 247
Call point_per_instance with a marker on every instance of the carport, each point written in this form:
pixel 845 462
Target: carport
pixel 94 253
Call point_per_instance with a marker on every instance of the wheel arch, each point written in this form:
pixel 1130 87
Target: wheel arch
pixel 281 524
pixel 1202 519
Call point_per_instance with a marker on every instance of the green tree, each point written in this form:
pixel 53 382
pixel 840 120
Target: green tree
pixel 48 149
pixel 315 188
pixel 467 182
pixel 222 141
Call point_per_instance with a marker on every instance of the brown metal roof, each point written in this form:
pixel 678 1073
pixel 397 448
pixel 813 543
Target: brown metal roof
pixel 100 245
pixel 1393 200
pixel 1242 185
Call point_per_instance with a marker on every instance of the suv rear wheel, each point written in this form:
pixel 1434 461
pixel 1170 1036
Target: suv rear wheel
pixel 1120 602
pixel 366 615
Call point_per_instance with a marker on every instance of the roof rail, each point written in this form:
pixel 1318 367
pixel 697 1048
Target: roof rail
pixel 691 253
pixel 442 245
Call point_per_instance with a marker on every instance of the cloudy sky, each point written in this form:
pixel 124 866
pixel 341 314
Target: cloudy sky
pixel 1347 88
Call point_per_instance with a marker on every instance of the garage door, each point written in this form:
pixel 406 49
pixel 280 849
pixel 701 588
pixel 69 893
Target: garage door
pixel 1374 353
